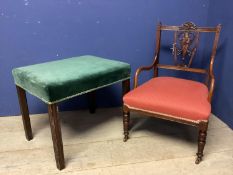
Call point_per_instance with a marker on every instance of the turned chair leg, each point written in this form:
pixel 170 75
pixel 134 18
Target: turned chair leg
pixel 126 114
pixel 203 126
pixel 126 120
pixel 56 136
pixel 92 101
pixel 24 111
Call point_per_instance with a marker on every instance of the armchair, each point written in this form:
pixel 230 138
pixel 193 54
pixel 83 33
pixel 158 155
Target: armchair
pixel 176 99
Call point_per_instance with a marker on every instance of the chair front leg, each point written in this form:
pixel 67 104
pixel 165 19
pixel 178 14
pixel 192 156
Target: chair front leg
pixel 126 113
pixel 24 111
pixel 126 120
pixel 203 126
pixel 56 136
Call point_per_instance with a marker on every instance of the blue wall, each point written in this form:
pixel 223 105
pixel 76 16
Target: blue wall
pixel 221 12
pixel 39 31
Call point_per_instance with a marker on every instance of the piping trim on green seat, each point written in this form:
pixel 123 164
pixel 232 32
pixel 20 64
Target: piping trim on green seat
pixel 69 97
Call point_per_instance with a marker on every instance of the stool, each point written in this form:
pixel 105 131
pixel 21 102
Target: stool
pixel 56 81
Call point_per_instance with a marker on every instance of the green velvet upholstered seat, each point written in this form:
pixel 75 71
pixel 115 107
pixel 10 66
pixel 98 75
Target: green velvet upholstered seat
pixel 59 80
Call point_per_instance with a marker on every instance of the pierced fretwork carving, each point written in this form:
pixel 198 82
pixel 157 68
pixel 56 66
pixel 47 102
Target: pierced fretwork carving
pixel 185 44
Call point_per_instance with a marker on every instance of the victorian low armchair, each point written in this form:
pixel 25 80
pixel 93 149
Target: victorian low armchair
pixel 176 99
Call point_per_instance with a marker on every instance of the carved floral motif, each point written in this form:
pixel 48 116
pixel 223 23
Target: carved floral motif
pixel 185 44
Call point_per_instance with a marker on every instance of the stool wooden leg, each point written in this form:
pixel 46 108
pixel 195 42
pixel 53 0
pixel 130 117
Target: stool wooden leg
pixel 125 86
pixel 56 136
pixel 92 101
pixel 201 140
pixel 24 111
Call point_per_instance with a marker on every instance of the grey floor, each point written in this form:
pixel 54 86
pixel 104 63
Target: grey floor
pixel 93 146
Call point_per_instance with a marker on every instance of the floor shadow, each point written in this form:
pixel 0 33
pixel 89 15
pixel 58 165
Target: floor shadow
pixel 80 122
pixel 164 128
pixel 40 124
pixel 83 121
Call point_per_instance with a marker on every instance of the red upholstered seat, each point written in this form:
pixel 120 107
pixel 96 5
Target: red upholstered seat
pixel 173 96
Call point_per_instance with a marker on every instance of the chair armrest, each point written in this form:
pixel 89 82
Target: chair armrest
pixel 211 81
pixel 140 69
pixel 211 89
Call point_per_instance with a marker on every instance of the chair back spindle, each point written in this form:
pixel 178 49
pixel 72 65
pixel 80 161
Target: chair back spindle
pixel 185 45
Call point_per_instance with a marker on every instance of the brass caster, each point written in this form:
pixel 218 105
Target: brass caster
pixel 125 138
pixel 198 160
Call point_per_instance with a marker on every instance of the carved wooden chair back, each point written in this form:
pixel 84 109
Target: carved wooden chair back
pixel 184 48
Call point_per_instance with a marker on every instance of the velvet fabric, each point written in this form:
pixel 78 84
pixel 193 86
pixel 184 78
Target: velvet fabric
pixel 58 80
pixel 172 96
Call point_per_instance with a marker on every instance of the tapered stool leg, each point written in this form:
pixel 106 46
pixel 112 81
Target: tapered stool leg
pixel 24 111
pixel 92 101
pixel 125 86
pixel 56 136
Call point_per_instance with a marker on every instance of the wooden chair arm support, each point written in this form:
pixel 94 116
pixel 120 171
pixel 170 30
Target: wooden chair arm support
pixel 140 69
pixel 211 80
pixel 211 88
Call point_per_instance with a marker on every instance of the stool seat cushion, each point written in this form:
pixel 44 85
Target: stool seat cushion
pixel 59 80
pixel 176 97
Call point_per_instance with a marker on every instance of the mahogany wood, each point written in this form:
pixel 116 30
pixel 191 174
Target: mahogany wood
pixel 139 70
pixel 161 116
pixel 126 120
pixel 194 70
pixel 92 101
pixel 126 115
pixel 125 86
pixel 199 29
pixel 24 111
pixel 157 50
pixel 56 136
pixel 203 126
pixel 211 67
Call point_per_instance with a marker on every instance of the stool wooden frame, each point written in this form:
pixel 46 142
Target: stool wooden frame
pixel 54 120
